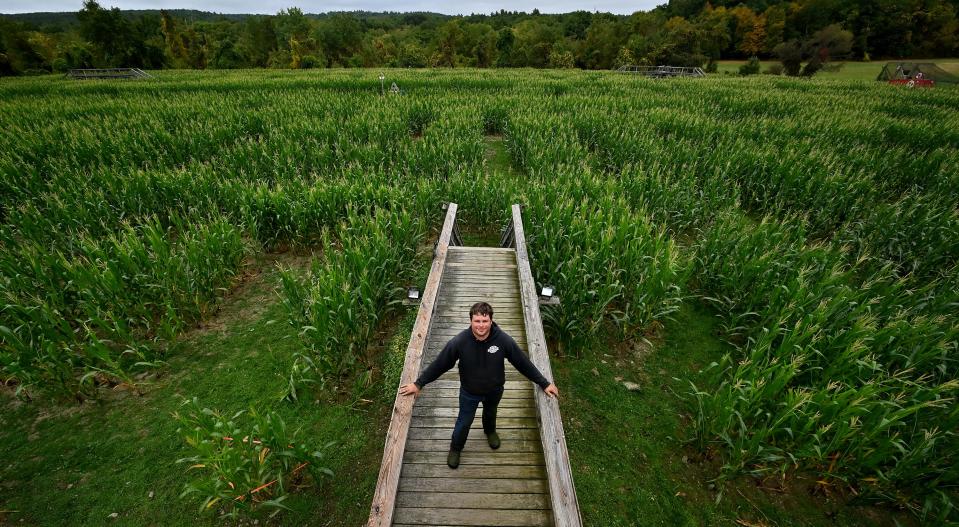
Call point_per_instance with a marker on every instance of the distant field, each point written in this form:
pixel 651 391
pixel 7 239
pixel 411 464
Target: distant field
pixel 860 71
pixel 770 262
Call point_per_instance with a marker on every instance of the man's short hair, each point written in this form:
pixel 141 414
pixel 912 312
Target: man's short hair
pixel 481 308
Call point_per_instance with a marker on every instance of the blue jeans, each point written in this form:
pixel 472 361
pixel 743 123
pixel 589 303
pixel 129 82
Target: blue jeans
pixel 468 404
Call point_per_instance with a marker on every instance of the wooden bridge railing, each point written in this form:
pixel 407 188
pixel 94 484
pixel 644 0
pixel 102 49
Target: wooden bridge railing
pixel 108 73
pixel 561 490
pixel 384 497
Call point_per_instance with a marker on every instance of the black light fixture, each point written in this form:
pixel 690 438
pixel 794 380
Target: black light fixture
pixel 412 295
pixel 548 296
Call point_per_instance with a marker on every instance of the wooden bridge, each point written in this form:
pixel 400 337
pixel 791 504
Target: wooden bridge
pixel 527 481
pixel 108 73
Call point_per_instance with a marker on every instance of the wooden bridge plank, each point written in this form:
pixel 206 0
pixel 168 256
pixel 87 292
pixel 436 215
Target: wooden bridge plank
pixel 461 324
pixel 495 294
pixel 476 252
pixel 510 376
pixel 433 411
pixel 472 500
pixel 464 303
pixel 461 306
pixel 505 434
pixel 456 484
pixel 486 456
pixel 441 336
pixel 499 292
pixel 433 390
pixel 475 442
pixel 480 259
pixel 467 276
pixel 421 470
pixel 479 277
pixel 462 318
pixel 462 311
pixel 495 265
pixel 438 342
pixel 447 422
pixel 453 402
pixel 456 384
pixel 489 518
pixel 459 249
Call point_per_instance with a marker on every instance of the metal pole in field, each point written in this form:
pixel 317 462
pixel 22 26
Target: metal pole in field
pixel 382 86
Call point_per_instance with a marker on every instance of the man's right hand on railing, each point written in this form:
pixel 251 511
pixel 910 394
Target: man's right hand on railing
pixel 410 389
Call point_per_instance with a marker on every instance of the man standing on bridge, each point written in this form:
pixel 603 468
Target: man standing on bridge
pixel 480 350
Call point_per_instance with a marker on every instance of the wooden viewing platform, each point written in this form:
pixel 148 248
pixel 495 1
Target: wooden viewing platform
pixel 108 73
pixel 527 481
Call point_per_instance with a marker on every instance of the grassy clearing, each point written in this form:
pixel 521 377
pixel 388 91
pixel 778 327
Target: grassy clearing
pixel 850 71
pixel 73 465
pixel 626 447
pixel 76 465
pixel 818 216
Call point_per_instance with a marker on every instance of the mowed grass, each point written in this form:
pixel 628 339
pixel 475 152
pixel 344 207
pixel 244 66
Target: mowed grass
pixel 72 464
pixel 77 465
pixel 69 464
pixel 850 71
pixel 629 460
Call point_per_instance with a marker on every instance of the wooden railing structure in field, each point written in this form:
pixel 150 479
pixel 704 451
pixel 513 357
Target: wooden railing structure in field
pixel 108 73
pixel 527 481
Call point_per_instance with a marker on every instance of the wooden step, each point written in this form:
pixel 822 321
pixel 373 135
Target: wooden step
pixel 475 442
pixel 485 456
pixel 422 470
pixel 505 434
pixel 453 392
pixel 448 422
pixel 436 411
pixel 469 517
pixel 472 500
pixel 457 484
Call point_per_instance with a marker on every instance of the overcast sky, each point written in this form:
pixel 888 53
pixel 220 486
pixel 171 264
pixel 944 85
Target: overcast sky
pixel 272 6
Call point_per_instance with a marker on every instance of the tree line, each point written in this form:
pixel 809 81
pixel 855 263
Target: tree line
pixel 679 33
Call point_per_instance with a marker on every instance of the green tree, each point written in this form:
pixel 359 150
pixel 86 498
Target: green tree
pixel 561 59
pixel 340 35
pixel 108 31
pixel 450 38
pixel 790 54
pixel 504 47
pixel 16 54
pixel 624 58
pixel 604 39
pixel 534 40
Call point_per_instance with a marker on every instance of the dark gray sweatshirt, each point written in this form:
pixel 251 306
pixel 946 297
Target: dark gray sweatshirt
pixel 481 362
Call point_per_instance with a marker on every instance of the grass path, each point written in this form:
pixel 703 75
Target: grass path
pixel 628 458
pixel 859 71
pixel 77 465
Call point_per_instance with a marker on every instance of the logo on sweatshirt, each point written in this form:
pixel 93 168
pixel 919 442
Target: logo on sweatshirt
pixel 492 349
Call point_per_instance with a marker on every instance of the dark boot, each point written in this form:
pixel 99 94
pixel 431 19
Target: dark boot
pixel 453 458
pixel 493 440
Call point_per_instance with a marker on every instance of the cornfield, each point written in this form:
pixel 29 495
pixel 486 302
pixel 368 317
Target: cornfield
pixel 817 219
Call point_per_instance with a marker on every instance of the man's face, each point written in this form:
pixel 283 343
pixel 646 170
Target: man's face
pixel 480 325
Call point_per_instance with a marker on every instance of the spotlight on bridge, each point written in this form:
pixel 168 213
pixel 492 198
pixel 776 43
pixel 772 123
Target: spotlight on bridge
pixel 547 296
pixel 412 296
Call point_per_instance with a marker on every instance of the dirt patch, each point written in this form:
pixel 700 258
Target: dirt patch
pixel 252 292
